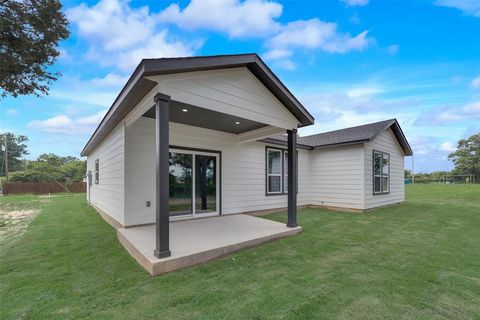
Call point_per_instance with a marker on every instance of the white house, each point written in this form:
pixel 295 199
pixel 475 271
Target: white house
pixel 208 136
pixel 357 169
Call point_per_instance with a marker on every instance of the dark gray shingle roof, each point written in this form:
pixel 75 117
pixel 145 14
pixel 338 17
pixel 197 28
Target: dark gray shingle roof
pixel 353 135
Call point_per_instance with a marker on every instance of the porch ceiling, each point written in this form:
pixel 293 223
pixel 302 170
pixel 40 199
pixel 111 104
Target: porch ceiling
pixel 209 119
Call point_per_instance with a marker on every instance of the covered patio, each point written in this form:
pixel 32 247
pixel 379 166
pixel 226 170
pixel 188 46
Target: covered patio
pixel 163 197
pixel 191 129
pixel 197 241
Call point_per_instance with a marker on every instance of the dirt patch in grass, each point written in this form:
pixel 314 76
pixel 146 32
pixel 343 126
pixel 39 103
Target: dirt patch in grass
pixel 16 214
pixel 14 223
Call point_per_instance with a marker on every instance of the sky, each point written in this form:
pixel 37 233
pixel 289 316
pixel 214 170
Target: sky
pixel 350 62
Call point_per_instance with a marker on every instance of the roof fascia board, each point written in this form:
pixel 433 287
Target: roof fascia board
pixel 341 144
pixel 401 139
pixel 271 77
pixel 123 93
pixel 152 66
pixel 284 143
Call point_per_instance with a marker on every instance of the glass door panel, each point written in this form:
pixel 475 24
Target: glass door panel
pixel 180 184
pixel 205 184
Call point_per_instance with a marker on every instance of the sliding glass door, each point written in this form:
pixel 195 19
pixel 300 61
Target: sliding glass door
pixel 194 182
pixel 180 184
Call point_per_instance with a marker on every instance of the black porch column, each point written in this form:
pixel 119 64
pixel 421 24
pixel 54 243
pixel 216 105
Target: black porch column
pixel 292 178
pixel 162 227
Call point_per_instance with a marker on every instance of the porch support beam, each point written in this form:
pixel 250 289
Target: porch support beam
pixel 162 221
pixel 292 177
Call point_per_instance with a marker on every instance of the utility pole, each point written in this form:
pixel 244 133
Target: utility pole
pixel 5 155
pixel 413 167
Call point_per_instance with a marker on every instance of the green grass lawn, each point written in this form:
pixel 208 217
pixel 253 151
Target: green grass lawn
pixel 419 260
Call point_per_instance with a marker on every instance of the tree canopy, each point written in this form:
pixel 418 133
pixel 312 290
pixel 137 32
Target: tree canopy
pixel 29 34
pixel 467 156
pixel 51 167
pixel 16 150
pixel 47 166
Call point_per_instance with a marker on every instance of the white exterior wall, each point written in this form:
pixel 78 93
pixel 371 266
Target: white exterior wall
pixel 108 195
pixel 234 91
pixel 336 177
pixel 242 168
pixel 385 142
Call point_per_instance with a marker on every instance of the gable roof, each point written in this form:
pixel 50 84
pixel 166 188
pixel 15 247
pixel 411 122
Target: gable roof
pixel 352 135
pixel 138 86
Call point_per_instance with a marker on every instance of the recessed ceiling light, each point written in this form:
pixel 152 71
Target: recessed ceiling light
pixel 185 110
pixel 237 122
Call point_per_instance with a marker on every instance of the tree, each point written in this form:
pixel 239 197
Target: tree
pixel 467 156
pixel 407 174
pixel 55 160
pixel 52 167
pixel 37 171
pixel 29 34
pixel 74 170
pixel 16 148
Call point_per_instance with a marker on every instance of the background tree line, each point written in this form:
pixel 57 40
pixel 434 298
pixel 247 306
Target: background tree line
pixel 52 167
pixel 436 177
pixel 47 167
pixel 466 160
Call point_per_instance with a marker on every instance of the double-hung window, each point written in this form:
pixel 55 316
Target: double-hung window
pixel 277 171
pixel 274 171
pixel 381 172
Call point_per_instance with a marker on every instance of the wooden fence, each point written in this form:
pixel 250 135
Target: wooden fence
pixel 43 187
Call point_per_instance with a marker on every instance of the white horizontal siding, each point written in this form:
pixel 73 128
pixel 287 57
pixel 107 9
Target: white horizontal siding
pixel 234 91
pixel 243 170
pixel 385 142
pixel 108 195
pixel 336 177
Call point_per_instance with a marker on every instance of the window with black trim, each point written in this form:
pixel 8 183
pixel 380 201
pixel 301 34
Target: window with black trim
pixel 277 171
pixel 97 171
pixel 381 172
pixel 285 171
pixel 274 171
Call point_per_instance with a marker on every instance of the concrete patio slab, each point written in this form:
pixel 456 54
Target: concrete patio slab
pixel 199 240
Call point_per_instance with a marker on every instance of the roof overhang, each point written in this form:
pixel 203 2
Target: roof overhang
pixel 284 143
pixel 402 140
pixel 138 86
pixel 392 124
